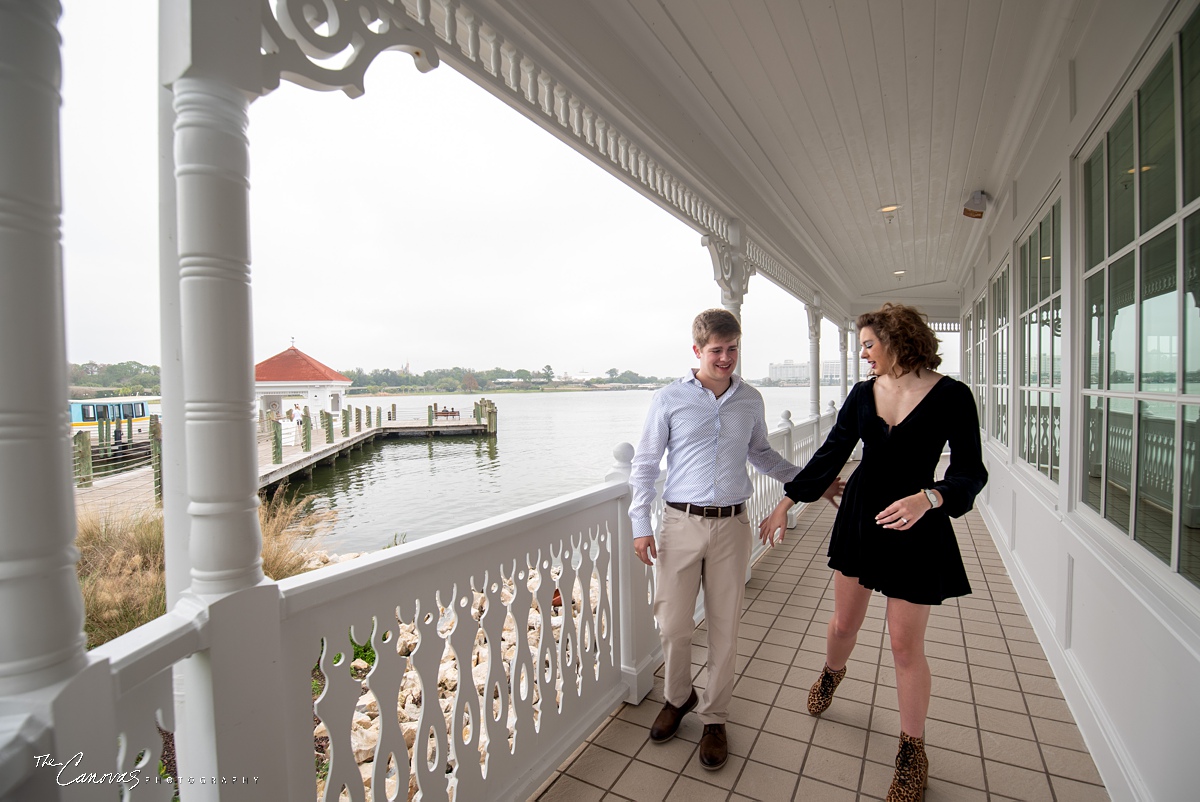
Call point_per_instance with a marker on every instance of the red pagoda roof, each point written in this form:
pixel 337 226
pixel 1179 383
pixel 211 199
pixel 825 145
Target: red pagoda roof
pixel 293 365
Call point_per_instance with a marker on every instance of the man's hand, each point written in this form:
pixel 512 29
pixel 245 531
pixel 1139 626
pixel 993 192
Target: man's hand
pixel 834 491
pixel 645 550
pixel 775 523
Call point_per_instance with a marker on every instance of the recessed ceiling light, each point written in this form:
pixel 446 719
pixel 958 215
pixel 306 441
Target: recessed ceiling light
pixel 1047 258
pixel 899 272
pixel 889 208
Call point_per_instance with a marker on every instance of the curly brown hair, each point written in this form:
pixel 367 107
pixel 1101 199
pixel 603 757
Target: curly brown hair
pixel 905 333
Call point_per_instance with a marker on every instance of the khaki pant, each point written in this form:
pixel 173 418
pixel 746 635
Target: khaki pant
pixel 695 552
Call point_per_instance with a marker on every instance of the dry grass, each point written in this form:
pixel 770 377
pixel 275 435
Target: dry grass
pixel 121 564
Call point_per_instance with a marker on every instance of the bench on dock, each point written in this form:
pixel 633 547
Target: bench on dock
pixel 446 413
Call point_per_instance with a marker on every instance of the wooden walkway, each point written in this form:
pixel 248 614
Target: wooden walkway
pixel 133 491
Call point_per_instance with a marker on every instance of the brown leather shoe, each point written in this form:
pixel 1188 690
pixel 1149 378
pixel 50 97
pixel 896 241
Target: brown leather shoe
pixel 667 723
pixel 714 747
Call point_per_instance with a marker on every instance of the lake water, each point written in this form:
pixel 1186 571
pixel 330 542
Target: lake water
pixel 548 444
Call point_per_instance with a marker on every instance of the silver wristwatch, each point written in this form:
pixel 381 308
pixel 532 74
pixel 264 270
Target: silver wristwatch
pixel 933 499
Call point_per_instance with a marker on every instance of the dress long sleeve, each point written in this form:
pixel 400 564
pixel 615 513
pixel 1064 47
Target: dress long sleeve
pixel 825 465
pixel 965 475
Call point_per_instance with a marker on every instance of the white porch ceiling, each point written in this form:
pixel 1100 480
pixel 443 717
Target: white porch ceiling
pixel 803 117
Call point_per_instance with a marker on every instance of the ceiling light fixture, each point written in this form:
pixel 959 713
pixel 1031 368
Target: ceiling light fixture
pixel 891 207
pixel 899 272
pixel 976 204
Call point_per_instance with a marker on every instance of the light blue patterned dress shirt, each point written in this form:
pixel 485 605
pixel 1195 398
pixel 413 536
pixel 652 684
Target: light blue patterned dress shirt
pixel 708 441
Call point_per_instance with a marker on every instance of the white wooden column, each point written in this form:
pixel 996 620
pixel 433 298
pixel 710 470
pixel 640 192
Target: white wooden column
pixel 857 359
pixel 41 607
pixel 731 271
pixel 814 359
pixel 843 345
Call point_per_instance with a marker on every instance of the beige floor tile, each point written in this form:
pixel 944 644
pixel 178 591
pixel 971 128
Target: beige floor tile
pixel 767 783
pixel 756 690
pixel 952 711
pixel 887 721
pixel 948 688
pixel 1066 790
pixel 790 724
pixel 622 736
pixel 848 712
pixel 1002 721
pixel 792 698
pixel 954 767
pixel 941 791
pixel 747 712
pixel 725 777
pixel 775 750
pixel 672 755
pixel 985 658
pixel 688 790
pixel 876 778
pixel 782 637
pixel 569 789
pixel 810 790
pixel 1009 749
pixel 1018 783
pixel 1071 764
pixel 598 766
pixel 1048 707
pixel 982 675
pixel 644 782
pixel 1012 701
pixel 765 670
pixel 832 767
pixel 740 738
pixel 840 737
pixel 948 736
pixel 1059 733
pixel 1042 686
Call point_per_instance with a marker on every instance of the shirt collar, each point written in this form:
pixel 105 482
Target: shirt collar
pixel 734 381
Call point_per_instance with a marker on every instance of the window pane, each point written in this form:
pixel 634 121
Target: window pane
pixel 1120 182
pixel 1093 341
pixel 1055 432
pixel 1093 207
pixel 966 368
pixel 1023 301
pixel 1056 343
pixel 1121 334
pixel 1045 261
pixel 1031 347
pixel 1191 303
pixel 1156 477
pixel 1093 412
pixel 1056 249
pixel 1189 519
pixel 1189 54
pixel 1119 452
pixel 1043 431
pixel 1044 345
pixel 1035 268
pixel 1156 141
pixel 89 412
pixel 1159 314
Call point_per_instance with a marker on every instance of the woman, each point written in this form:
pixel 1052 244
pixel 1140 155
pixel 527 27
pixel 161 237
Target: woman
pixel 892 532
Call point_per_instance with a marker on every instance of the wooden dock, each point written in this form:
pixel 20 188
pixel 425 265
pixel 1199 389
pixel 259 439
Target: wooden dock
pixel 133 490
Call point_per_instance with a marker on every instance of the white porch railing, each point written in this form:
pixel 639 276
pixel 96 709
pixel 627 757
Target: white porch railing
pixel 522 691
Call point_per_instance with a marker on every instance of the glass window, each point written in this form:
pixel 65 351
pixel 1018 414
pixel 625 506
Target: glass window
pixel 1093 207
pixel 1156 143
pixel 998 426
pixel 1118 450
pixel 102 411
pixel 1041 347
pixel 1120 182
pixel 1093 412
pixel 1190 61
pixel 1159 314
pixel 140 409
pixel 1156 477
pixel 1191 302
pixel 89 412
pixel 1189 518
pixel 1093 341
pixel 1121 329
pixel 126 411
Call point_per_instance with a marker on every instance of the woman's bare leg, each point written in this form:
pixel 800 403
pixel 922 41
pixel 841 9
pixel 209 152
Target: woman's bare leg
pixel 906 627
pixel 850 601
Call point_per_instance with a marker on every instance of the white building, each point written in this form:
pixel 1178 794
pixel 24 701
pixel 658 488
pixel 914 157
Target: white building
pixel 293 376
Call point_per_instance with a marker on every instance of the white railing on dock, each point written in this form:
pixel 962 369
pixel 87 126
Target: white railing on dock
pixel 480 684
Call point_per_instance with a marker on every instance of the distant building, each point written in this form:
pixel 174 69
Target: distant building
pixel 788 372
pixel 291 375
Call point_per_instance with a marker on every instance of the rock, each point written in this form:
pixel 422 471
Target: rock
pixel 363 740
pixel 360 721
pixel 409 729
pixel 360 665
pixel 321 731
pixel 368 704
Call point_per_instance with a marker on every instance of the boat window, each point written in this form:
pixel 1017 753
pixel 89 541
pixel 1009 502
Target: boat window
pixel 89 411
pixel 102 411
pixel 141 410
pixel 126 411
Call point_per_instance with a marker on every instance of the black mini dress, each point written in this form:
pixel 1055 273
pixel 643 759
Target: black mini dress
pixel 921 564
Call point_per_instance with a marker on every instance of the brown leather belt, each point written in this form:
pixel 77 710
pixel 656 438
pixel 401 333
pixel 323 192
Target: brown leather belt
pixel 707 512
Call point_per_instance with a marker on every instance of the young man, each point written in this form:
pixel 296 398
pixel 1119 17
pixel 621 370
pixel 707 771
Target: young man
pixel 709 424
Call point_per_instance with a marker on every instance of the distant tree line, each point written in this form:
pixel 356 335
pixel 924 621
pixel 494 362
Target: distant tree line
pixel 122 378
pixel 469 380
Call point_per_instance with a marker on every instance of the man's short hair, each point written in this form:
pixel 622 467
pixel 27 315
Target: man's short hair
pixel 719 323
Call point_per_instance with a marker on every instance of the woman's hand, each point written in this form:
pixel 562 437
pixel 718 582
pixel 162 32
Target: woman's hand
pixel 905 512
pixel 775 523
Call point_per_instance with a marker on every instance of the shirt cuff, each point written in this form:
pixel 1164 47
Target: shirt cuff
pixel 641 527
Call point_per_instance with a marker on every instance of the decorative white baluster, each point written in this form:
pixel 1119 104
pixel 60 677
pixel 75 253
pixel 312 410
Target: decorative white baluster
pixel 495 57
pixel 513 79
pixel 589 131
pixel 814 361
pixel 575 123
pixel 560 105
pixel 545 93
pixel 385 680
pixel 41 608
pixel 427 658
pixel 843 345
pixel 466 721
pixel 451 28
pixel 472 23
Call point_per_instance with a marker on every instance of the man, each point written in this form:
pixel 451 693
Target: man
pixel 709 424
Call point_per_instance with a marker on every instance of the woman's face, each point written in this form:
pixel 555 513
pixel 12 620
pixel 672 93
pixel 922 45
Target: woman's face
pixel 874 352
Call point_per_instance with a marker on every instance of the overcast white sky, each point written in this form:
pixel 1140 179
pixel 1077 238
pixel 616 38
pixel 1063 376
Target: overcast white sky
pixel 424 223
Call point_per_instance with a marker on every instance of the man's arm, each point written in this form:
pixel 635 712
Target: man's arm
pixel 764 458
pixel 646 467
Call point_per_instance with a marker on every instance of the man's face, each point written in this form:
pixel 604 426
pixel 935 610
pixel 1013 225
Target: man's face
pixel 718 358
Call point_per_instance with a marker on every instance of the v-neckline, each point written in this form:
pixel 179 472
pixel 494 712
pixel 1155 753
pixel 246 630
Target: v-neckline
pixel 888 429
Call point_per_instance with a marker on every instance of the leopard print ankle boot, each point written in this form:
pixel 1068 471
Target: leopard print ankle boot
pixel 912 771
pixel 821 693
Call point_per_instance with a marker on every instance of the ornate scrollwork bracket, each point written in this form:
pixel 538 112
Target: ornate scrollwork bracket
pixel 328 44
pixel 731 269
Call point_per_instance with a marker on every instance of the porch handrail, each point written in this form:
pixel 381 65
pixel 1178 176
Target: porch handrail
pixel 530 680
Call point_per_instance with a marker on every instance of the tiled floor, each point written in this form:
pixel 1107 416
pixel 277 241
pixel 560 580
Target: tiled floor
pixel 998 727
